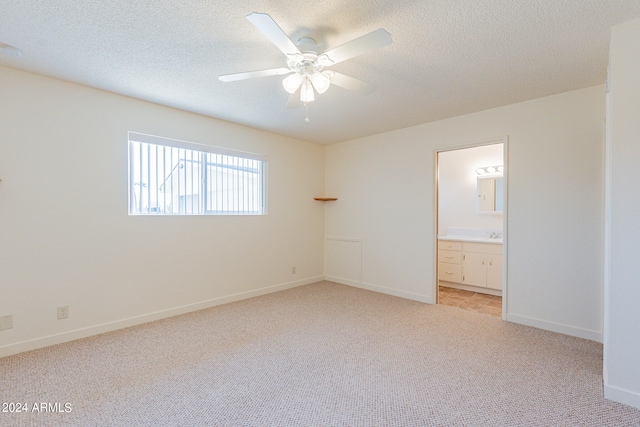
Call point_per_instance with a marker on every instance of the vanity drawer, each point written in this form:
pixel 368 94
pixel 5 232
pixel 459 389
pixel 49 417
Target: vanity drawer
pixel 449 245
pixel 449 272
pixel 454 257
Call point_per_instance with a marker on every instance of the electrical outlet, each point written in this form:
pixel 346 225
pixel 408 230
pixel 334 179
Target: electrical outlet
pixel 6 322
pixel 293 270
pixel 63 312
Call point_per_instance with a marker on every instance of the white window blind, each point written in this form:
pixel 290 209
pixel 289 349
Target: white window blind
pixel 171 177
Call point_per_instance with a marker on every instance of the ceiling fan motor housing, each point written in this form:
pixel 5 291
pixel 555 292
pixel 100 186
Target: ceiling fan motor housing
pixel 307 45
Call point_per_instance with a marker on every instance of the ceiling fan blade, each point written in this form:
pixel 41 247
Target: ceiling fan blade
pixel 355 85
pixel 269 28
pixel 363 44
pixel 252 74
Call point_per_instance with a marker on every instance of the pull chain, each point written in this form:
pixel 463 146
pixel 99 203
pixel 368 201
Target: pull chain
pixel 306 107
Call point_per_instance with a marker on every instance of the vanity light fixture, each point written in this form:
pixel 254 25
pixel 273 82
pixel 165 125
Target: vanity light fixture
pixel 490 170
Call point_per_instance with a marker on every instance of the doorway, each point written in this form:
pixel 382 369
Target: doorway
pixel 471 209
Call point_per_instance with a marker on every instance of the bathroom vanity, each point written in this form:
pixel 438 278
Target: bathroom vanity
pixel 471 263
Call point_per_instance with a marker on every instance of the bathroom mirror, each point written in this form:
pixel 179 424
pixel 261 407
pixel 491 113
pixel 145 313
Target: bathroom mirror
pixel 490 194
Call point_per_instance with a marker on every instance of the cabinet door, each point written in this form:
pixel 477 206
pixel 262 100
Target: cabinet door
pixel 474 270
pixel 494 271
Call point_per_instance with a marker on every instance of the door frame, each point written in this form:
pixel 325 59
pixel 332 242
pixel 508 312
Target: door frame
pixel 504 140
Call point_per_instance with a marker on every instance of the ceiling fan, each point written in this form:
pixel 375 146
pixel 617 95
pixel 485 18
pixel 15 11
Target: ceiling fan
pixel 307 65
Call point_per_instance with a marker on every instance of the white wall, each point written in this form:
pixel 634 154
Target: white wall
pixel 385 184
pixel 66 238
pixel 622 333
pixel 458 189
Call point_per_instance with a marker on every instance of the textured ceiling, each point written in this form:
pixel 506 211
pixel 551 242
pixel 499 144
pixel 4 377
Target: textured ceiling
pixel 448 57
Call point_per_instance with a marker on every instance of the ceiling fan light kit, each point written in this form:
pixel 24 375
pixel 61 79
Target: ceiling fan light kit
pixel 292 83
pixel 306 92
pixel 307 71
pixel 306 65
pixel 321 81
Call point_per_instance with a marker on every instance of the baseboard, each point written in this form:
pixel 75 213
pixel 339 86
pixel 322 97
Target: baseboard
pixel 619 395
pixel 555 327
pixel 523 320
pixel 376 288
pixel 33 344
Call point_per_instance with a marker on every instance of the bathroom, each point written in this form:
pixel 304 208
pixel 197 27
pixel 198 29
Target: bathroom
pixel 470 222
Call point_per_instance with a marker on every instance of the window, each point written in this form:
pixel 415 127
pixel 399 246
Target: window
pixel 170 177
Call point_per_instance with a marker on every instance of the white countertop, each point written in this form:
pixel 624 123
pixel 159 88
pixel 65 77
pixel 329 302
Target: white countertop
pixel 471 239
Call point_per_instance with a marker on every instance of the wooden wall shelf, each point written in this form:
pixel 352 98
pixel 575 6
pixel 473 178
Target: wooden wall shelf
pixel 325 199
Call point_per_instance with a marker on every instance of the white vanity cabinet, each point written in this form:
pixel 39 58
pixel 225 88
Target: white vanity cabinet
pixel 482 265
pixel 473 265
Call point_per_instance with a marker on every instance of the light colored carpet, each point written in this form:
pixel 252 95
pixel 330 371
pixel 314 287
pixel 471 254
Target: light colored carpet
pixel 318 355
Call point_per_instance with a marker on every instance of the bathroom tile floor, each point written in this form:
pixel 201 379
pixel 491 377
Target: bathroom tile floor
pixel 471 301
